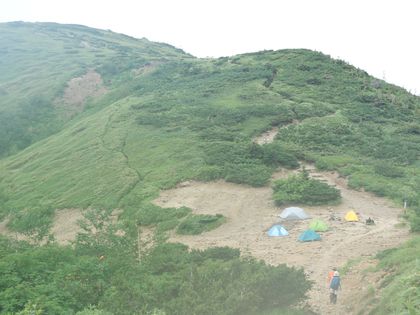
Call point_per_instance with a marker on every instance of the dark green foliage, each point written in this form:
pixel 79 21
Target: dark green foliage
pixel 415 219
pixel 250 174
pixel 388 170
pixel 30 121
pixel 275 154
pixel 196 224
pixel 149 214
pixel 210 172
pixel 223 253
pixel 237 163
pixel 302 189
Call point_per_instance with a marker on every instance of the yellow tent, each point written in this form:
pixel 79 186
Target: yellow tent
pixel 351 216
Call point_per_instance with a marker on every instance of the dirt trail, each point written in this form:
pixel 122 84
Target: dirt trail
pixel 251 212
pixel 267 137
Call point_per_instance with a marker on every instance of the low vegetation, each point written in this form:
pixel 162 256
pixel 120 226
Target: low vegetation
pixel 184 118
pixel 400 289
pixel 102 269
pixel 196 224
pixel 302 189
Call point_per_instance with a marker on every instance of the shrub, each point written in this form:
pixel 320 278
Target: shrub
pixel 275 154
pixel 300 188
pixel 149 214
pixel 209 173
pixel 34 222
pixel 388 170
pixel 415 220
pixel 251 174
pixel 222 253
pixel 197 224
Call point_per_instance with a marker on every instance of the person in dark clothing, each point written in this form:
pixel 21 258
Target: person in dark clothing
pixel 335 285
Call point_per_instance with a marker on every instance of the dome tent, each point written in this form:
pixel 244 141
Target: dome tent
pixel 294 213
pixel 277 230
pixel 309 236
pixel 318 225
pixel 351 216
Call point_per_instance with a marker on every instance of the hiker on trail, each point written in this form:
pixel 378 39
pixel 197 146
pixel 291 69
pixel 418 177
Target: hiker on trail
pixel 330 276
pixel 334 286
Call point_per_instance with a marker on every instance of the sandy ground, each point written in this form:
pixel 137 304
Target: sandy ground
pixel 78 90
pixel 266 137
pixel 65 226
pixel 251 212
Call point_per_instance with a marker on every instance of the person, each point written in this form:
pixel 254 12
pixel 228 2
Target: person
pixel 335 284
pixel 370 221
pixel 331 275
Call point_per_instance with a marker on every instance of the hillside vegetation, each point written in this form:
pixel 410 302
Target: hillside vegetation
pixel 37 62
pixel 167 117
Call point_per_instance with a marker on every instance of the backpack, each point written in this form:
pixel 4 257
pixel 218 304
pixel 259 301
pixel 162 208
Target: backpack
pixel 335 283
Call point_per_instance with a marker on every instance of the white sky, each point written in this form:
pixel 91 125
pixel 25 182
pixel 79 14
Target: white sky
pixel 379 36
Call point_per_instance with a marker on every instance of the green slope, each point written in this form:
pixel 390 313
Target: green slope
pixel 168 117
pixel 196 118
pixel 37 60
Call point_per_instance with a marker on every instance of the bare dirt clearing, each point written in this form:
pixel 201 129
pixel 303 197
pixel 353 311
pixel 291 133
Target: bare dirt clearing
pixel 251 212
pixel 267 137
pixel 64 228
pixel 78 90
pixel 66 225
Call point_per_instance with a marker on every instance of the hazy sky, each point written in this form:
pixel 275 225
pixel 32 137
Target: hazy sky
pixel 379 36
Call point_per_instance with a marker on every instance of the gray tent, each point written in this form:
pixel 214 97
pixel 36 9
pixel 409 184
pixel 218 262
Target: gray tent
pixel 294 213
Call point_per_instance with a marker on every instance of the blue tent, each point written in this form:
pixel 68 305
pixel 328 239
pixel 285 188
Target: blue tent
pixel 277 230
pixel 309 235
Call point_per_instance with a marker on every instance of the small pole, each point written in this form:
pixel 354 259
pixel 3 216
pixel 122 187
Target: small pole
pixel 405 204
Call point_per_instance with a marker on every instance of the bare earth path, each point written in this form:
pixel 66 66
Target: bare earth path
pixel 251 212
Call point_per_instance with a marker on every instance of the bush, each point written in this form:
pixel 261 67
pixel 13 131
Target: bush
pixel 388 170
pixel 149 214
pixel 415 220
pixel 302 189
pixel 251 174
pixel 275 154
pixel 35 222
pixel 197 224
pixel 222 253
pixel 209 173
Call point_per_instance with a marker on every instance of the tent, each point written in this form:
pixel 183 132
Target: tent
pixel 277 230
pixel 318 225
pixel 309 236
pixel 294 213
pixel 351 216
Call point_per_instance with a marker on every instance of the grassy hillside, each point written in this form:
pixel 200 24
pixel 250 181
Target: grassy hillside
pixel 37 60
pixel 196 119
pixel 401 290
pixel 168 117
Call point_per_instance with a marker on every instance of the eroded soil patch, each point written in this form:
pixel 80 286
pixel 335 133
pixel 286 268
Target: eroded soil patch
pixel 78 90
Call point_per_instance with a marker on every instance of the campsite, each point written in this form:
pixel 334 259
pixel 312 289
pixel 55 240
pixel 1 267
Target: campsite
pixel 251 212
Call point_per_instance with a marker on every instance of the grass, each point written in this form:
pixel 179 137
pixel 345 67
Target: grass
pixel 151 133
pixel 349 264
pixel 192 118
pixel 400 288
